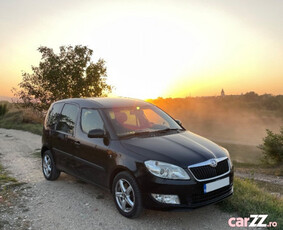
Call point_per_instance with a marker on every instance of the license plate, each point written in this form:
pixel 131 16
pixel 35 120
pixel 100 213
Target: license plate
pixel 216 185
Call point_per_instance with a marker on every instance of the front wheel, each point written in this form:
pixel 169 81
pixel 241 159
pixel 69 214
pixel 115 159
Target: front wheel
pixel 48 166
pixel 127 195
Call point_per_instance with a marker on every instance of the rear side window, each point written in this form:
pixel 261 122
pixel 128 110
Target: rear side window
pixel 53 115
pixel 91 120
pixel 68 118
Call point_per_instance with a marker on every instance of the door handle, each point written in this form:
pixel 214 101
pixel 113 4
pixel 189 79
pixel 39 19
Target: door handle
pixel 77 143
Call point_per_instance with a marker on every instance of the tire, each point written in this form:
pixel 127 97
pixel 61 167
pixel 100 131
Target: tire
pixel 48 166
pixel 127 198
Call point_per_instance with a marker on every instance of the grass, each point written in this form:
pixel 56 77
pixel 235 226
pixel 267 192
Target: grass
pixel 21 119
pixel 269 187
pixel 249 199
pixel 4 177
pixel 33 128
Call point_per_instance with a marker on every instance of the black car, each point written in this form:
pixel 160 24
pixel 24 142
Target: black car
pixel 137 151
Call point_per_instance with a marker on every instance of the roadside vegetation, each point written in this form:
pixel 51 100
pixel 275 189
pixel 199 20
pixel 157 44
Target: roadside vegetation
pixel 17 117
pixel 272 147
pixel 249 199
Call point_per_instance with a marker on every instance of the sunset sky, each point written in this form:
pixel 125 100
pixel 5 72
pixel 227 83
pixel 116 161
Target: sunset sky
pixel 153 48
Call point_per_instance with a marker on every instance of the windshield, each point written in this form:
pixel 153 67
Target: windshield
pixel 134 120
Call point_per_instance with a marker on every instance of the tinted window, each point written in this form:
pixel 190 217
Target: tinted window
pixel 91 120
pixel 53 115
pixel 68 118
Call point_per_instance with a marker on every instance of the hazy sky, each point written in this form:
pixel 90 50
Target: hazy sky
pixel 153 48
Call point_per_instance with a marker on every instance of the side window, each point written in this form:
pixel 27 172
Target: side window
pixel 53 115
pixel 68 118
pixel 91 120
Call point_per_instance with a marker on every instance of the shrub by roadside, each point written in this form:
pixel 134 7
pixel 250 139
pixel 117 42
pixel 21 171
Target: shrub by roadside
pixel 272 147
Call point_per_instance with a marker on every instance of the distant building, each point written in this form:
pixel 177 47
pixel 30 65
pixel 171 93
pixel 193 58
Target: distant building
pixel 222 93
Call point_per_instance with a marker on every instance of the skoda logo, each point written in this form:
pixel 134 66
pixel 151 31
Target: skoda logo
pixel 213 163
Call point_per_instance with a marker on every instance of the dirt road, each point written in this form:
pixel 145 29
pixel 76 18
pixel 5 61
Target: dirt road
pixel 71 204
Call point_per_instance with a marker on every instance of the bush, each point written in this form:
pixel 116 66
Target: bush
pixel 3 109
pixel 272 147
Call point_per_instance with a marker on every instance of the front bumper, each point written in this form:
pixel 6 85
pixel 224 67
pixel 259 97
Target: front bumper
pixel 191 192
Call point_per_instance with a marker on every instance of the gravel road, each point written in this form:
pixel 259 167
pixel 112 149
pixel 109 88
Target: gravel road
pixel 71 204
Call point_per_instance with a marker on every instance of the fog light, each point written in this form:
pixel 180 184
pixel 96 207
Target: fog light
pixel 167 199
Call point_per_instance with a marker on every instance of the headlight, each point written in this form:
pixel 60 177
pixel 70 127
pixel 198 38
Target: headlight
pixel 165 170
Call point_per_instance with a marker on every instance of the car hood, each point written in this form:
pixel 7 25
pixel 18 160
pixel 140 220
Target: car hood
pixel 184 148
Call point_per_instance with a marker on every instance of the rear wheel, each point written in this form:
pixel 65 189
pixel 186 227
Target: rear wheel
pixel 48 166
pixel 127 195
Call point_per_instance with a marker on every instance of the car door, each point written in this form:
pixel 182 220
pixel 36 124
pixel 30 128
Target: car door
pixel 92 156
pixel 63 138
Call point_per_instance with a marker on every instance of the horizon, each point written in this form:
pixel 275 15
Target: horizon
pixel 156 48
pixel 9 99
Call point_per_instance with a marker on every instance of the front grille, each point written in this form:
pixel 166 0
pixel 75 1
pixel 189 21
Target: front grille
pixel 207 171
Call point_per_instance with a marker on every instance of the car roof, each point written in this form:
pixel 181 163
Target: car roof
pixel 105 102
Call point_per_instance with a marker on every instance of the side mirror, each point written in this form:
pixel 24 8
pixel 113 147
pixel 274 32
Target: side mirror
pixel 179 122
pixel 96 133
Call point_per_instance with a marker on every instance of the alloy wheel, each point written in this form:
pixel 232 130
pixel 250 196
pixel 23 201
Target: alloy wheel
pixel 47 166
pixel 124 195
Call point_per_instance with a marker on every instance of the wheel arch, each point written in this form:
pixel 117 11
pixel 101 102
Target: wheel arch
pixel 117 170
pixel 43 149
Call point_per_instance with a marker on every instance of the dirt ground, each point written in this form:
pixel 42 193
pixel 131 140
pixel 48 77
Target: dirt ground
pixel 71 204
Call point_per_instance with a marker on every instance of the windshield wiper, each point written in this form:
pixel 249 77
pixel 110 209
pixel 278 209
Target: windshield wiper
pixel 135 134
pixel 166 130
pixel 141 133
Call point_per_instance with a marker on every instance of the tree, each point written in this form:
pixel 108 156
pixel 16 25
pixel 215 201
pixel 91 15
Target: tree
pixel 251 96
pixel 272 147
pixel 69 74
